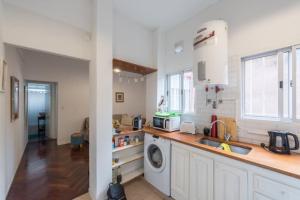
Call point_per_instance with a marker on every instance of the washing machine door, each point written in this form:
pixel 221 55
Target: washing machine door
pixel 155 157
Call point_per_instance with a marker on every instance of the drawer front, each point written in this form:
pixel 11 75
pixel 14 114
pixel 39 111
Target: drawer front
pixel 275 190
pixel 258 196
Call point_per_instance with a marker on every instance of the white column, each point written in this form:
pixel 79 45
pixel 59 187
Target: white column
pixel 160 53
pixel 101 100
pixel 2 119
pixel 155 82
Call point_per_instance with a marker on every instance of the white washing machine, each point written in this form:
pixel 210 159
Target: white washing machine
pixel 157 162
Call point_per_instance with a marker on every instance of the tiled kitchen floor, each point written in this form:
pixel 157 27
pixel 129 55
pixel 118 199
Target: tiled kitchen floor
pixel 138 189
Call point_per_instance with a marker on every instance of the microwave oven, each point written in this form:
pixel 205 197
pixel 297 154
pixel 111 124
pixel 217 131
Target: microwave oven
pixel 166 123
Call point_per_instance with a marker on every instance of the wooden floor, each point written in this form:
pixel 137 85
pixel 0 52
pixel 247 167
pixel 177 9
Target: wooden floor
pixel 48 171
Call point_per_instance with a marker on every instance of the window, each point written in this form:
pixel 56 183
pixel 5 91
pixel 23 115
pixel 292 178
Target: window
pixel 175 92
pixel 261 86
pixel 188 92
pixel 180 92
pixel 298 83
pixel 287 85
pixel 268 90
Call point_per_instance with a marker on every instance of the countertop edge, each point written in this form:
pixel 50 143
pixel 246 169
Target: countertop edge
pixel 232 156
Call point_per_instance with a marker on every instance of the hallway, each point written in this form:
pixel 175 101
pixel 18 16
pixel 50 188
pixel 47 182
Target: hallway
pixel 48 171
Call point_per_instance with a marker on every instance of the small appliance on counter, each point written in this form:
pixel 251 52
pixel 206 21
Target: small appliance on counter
pixel 188 127
pixel 137 123
pixel 167 121
pixel 279 142
pixel 206 131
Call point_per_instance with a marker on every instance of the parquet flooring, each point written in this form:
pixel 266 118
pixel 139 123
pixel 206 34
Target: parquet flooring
pixel 51 172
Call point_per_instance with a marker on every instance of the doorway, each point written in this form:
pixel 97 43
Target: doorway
pixel 40 110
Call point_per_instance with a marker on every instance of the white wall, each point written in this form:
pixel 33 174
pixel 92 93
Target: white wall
pixel 134 96
pixel 27 29
pixel 254 26
pixel 135 43
pixel 151 95
pixel 132 42
pixel 73 12
pixel 2 119
pixel 15 137
pixel 72 78
pixel 46 26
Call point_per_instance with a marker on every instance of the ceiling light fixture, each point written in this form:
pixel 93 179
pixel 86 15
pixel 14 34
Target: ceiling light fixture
pixel 117 70
pixel 178 47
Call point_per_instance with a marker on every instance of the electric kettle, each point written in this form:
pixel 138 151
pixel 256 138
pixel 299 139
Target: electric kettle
pixel 279 142
pixel 137 123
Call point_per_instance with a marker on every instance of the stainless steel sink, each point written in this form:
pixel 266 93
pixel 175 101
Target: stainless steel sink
pixel 234 148
pixel 210 142
pixel 240 150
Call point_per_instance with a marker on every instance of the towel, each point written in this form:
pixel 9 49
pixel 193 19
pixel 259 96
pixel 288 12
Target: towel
pixel 225 147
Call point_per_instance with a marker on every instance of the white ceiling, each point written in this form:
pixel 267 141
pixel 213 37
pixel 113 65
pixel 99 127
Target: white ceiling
pixel 161 13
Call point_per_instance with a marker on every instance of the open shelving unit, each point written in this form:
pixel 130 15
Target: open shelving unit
pixel 127 147
pixel 131 163
pixel 129 176
pixel 128 160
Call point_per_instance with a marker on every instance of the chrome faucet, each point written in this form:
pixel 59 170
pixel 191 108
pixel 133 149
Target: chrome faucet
pixel 227 136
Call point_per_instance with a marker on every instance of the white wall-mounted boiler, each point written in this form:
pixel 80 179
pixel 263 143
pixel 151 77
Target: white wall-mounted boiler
pixel 211 53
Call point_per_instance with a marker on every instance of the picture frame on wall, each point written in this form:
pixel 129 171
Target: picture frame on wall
pixel 119 97
pixel 3 75
pixel 15 90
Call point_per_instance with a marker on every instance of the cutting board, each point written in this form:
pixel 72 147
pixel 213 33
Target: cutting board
pixel 231 127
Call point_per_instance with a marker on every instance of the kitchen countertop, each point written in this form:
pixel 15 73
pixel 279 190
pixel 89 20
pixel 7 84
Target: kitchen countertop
pixel 285 164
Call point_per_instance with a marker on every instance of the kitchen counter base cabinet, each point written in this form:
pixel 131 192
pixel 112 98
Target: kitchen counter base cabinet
pixel 180 173
pixel 258 196
pixel 192 174
pixel 230 182
pixel 267 188
pixel 201 175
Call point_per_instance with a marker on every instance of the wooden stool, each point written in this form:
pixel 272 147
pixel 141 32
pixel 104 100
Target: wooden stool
pixel 77 140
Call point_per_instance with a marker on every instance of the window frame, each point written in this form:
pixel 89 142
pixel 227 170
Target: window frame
pixel 280 118
pixel 182 99
pixel 294 90
pixel 168 91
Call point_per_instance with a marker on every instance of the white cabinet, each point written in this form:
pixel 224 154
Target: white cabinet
pixel 201 177
pixel 258 196
pixel 266 188
pixel 180 173
pixel 230 182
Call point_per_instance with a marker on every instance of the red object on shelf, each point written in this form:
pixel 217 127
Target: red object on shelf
pixel 214 128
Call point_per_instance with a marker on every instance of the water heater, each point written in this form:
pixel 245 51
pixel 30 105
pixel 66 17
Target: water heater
pixel 211 53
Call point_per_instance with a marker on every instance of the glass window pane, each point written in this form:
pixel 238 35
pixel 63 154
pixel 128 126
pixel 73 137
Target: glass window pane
pixel 287 90
pixel 175 92
pixel 188 92
pixel 298 84
pixel 261 87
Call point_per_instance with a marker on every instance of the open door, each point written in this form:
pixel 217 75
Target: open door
pixel 40 110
